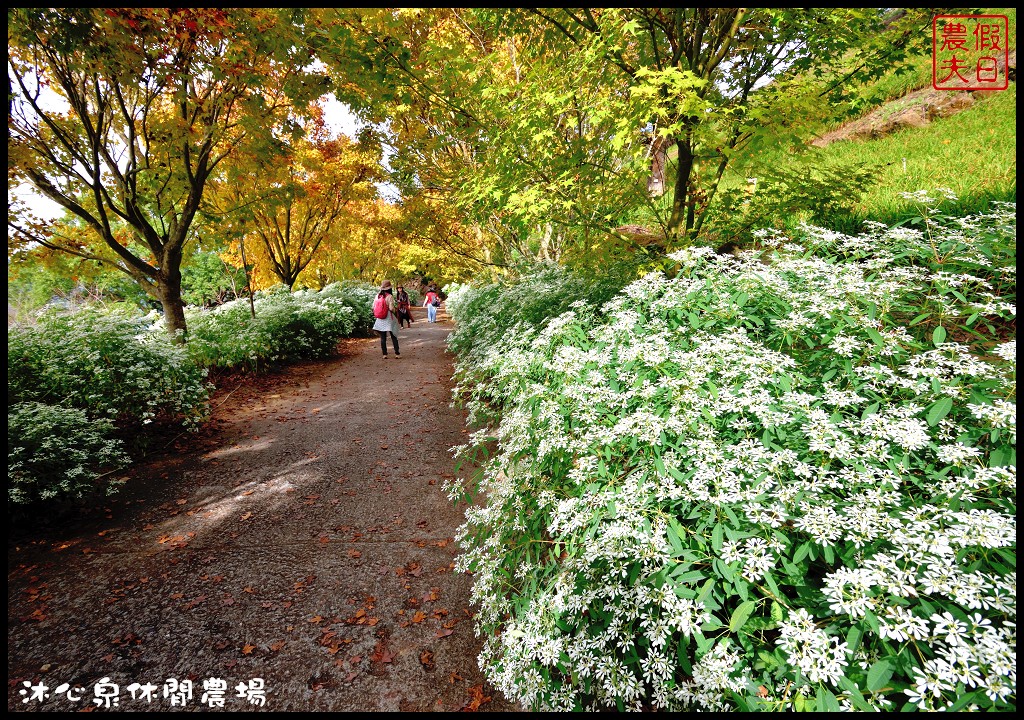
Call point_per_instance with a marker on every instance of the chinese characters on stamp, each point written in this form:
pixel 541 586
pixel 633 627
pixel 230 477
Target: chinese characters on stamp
pixel 970 52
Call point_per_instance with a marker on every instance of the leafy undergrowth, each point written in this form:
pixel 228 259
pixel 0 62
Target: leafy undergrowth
pixel 780 480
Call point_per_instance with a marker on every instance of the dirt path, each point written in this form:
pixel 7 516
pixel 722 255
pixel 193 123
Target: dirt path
pixel 303 545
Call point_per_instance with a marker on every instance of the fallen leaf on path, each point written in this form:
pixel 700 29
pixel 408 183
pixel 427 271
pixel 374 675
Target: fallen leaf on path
pixel 427 659
pixel 476 699
pixel 246 516
pixel 381 654
pixel 247 649
pixel 444 632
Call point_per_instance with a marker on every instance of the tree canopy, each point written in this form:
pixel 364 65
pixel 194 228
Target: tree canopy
pixel 123 116
pixel 511 133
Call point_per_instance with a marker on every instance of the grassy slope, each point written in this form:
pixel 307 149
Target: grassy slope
pixel 972 152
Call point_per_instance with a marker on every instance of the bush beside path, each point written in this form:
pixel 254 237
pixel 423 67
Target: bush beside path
pixel 308 544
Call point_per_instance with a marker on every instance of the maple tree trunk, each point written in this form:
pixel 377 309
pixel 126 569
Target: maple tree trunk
pixel 174 308
pixel 681 219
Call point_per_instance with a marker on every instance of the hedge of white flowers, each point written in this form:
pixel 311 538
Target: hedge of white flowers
pixel 289 326
pixel 783 480
pixel 79 377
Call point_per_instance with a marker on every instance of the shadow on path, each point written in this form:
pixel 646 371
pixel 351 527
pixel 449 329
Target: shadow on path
pixel 306 548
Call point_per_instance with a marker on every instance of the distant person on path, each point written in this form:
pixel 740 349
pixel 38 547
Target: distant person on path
pixel 404 307
pixel 387 325
pixel 431 303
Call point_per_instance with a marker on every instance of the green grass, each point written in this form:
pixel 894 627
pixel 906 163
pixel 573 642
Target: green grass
pixel 973 153
pixel 915 75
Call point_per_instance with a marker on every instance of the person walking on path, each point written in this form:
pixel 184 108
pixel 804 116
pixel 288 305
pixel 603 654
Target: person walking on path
pixel 387 325
pixel 404 307
pixel 431 303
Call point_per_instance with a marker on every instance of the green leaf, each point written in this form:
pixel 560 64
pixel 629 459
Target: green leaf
pixel 826 701
pixel 919 319
pixel 939 410
pixel 684 655
pixel 689 577
pixel 853 639
pixel 876 336
pixel 716 538
pixel 740 615
pixel 854 693
pixel 660 466
pixel 966 699
pixel 706 590
pixel 672 530
pixel 938 335
pixel 879 675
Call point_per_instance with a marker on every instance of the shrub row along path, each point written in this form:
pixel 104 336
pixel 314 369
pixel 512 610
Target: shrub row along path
pixel 303 539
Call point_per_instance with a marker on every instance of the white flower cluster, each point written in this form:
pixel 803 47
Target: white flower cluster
pixel 826 435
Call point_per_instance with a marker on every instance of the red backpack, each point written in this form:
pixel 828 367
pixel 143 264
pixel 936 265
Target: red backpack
pixel 380 307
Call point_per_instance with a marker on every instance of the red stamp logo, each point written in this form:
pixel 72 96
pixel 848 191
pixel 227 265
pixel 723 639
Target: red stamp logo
pixel 970 52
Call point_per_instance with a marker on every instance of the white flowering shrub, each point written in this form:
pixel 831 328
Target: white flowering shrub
pixel 108 363
pixel 487 314
pixel 56 452
pixel 75 379
pixel 778 481
pixel 289 326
